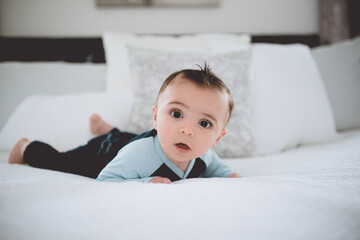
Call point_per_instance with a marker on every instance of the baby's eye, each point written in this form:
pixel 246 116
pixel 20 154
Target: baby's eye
pixel 176 114
pixel 205 124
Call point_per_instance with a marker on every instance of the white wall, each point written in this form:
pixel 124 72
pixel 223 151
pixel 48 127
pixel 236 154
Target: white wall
pixel 83 18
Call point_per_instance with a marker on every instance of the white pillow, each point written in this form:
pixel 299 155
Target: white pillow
pixel 118 78
pixel 339 65
pixel 151 67
pixel 19 80
pixel 289 103
pixel 63 121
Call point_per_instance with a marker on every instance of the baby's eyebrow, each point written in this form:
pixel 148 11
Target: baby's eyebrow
pixel 178 103
pixel 211 117
pixel 186 106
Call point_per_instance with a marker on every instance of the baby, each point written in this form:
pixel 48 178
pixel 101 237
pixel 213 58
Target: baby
pixel 189 118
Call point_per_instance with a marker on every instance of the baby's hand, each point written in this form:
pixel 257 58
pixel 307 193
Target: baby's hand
pixel 160 180
pixel 234 175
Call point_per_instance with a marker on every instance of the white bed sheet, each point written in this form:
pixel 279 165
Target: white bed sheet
pixel 312 192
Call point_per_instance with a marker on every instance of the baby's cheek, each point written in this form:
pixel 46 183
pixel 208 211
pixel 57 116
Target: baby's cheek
pixel 205 146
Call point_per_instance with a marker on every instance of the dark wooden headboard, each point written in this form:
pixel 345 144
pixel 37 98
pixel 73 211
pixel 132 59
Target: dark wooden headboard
pixel 92 50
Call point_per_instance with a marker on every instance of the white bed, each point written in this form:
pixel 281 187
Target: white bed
pixel 308 193
pixel 300 162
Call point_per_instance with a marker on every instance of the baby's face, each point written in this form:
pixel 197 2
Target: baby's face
pixel 189 120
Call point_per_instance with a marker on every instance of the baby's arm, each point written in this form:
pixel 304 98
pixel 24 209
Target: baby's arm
pixel 217 168
pixel 137 161
pixel 118 171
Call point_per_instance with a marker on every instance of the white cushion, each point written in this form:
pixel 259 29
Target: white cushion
pixel 118 78
pixel 63 121
pixel 151 67
pixel 339 65
pixel 19 80
pixel 289 103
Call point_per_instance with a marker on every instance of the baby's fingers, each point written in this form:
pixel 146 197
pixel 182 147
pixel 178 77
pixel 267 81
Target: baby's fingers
pixel 234 175
pixel 160 180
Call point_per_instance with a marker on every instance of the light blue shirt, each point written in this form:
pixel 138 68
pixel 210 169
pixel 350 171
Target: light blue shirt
pixel 140 159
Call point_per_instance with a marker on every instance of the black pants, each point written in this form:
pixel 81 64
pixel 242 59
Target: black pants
pixel 87 160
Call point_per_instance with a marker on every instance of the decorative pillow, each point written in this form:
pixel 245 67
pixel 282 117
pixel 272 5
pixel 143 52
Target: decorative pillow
pixel 63 121
pixel 151 67
pixel 289 104
pixel 118 78
pixel 339 65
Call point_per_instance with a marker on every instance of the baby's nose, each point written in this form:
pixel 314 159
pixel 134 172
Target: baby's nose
pixel 188 131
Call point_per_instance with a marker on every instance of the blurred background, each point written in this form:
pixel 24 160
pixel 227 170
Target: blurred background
pixel 84 17
pixel 333 19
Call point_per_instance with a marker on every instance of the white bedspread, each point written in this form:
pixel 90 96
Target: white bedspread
pixel 308 193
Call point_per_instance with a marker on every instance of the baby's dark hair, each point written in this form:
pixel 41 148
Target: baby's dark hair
pixel 203 77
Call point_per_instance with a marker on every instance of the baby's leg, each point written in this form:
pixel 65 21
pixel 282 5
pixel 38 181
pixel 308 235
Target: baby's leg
pixel 87 160
pixel 82 160
pixel 17 153
pixel 98 126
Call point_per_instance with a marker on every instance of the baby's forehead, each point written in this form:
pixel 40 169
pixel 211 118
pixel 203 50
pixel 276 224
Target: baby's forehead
pixel 181 80
pixel 186 88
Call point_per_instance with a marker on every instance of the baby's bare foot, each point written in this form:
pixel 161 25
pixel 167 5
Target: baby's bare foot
pixel 17 153
pixel 98 126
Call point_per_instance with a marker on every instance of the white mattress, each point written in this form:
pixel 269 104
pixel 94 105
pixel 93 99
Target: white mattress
pixel 312 192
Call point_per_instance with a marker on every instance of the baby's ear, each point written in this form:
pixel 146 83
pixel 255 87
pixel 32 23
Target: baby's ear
pixel 155 116
pixel 222 134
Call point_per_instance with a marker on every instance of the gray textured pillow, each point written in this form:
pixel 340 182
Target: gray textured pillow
pixel 149 68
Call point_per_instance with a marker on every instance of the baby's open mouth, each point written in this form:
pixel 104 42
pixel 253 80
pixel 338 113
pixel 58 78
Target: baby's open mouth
pixel 182 145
